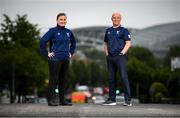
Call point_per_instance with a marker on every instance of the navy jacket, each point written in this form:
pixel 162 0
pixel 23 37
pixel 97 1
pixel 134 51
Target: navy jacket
pixel 62 43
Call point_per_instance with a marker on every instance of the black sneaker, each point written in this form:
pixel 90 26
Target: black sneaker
pixel 66 104
pixel 52 104
pixel 127 103
pixel 109 102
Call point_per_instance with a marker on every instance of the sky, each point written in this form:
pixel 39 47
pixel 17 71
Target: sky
pixel 82 13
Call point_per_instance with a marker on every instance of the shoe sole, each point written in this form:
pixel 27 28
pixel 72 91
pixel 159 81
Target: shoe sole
pixel 65 105
pixel 129 105
pixel 52 105
pixel 111 104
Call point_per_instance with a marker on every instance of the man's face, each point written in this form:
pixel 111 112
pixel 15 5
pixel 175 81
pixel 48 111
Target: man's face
pixel 62 20
pixel 116 19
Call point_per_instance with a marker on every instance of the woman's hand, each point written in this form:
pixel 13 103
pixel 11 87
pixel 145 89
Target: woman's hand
pixel 50 54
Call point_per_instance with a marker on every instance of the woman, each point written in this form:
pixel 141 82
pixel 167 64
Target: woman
pixel 62 46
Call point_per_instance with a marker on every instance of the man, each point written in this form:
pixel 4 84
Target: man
pixel 62 48
pixel 117 41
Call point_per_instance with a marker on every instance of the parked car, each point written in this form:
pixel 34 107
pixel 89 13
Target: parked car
pixel 98 90
pixel 41 100
pixel 98 99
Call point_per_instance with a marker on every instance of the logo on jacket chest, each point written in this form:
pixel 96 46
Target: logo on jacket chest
pixel 68 34
pixel 117 32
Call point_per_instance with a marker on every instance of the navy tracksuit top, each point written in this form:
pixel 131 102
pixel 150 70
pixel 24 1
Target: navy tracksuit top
pixel 116 39
pixel 62 43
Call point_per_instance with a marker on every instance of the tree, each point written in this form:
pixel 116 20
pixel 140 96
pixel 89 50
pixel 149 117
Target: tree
pixel 140 78
pixel 173 82
pixel 144 55
pixel 157 91
pixel 79 68
pixel 19 45
pixel 174 51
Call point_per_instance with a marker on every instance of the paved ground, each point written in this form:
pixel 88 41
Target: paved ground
pixel 90 110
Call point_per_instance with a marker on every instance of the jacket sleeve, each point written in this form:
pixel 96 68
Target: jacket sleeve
pixel 46 37
pixel 105 37
pixel 127 36
pixel 73 44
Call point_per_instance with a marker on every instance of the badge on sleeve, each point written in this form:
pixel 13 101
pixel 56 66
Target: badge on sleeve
pixel 129 36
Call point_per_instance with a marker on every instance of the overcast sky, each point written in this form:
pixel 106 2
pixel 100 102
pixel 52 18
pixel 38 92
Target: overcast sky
pixel 82 13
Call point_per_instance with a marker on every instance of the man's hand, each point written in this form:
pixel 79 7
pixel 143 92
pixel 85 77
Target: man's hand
pixel 121 54
pixel 51 54
pixel 105 49
pixel 126 47
pixel 70 55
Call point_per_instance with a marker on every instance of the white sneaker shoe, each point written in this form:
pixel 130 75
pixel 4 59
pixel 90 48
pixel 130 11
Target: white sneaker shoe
pixel 127 104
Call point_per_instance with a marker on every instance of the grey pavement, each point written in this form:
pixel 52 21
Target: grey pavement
pixel 90 110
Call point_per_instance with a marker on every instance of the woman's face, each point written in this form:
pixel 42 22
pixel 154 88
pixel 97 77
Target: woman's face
pixel 61 21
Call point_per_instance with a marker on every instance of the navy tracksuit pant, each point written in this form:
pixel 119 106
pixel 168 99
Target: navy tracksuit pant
pixel 115 63
pixel 57 72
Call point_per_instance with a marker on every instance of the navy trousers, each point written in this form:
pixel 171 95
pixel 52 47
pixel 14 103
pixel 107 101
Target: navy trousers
pixel 114 64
